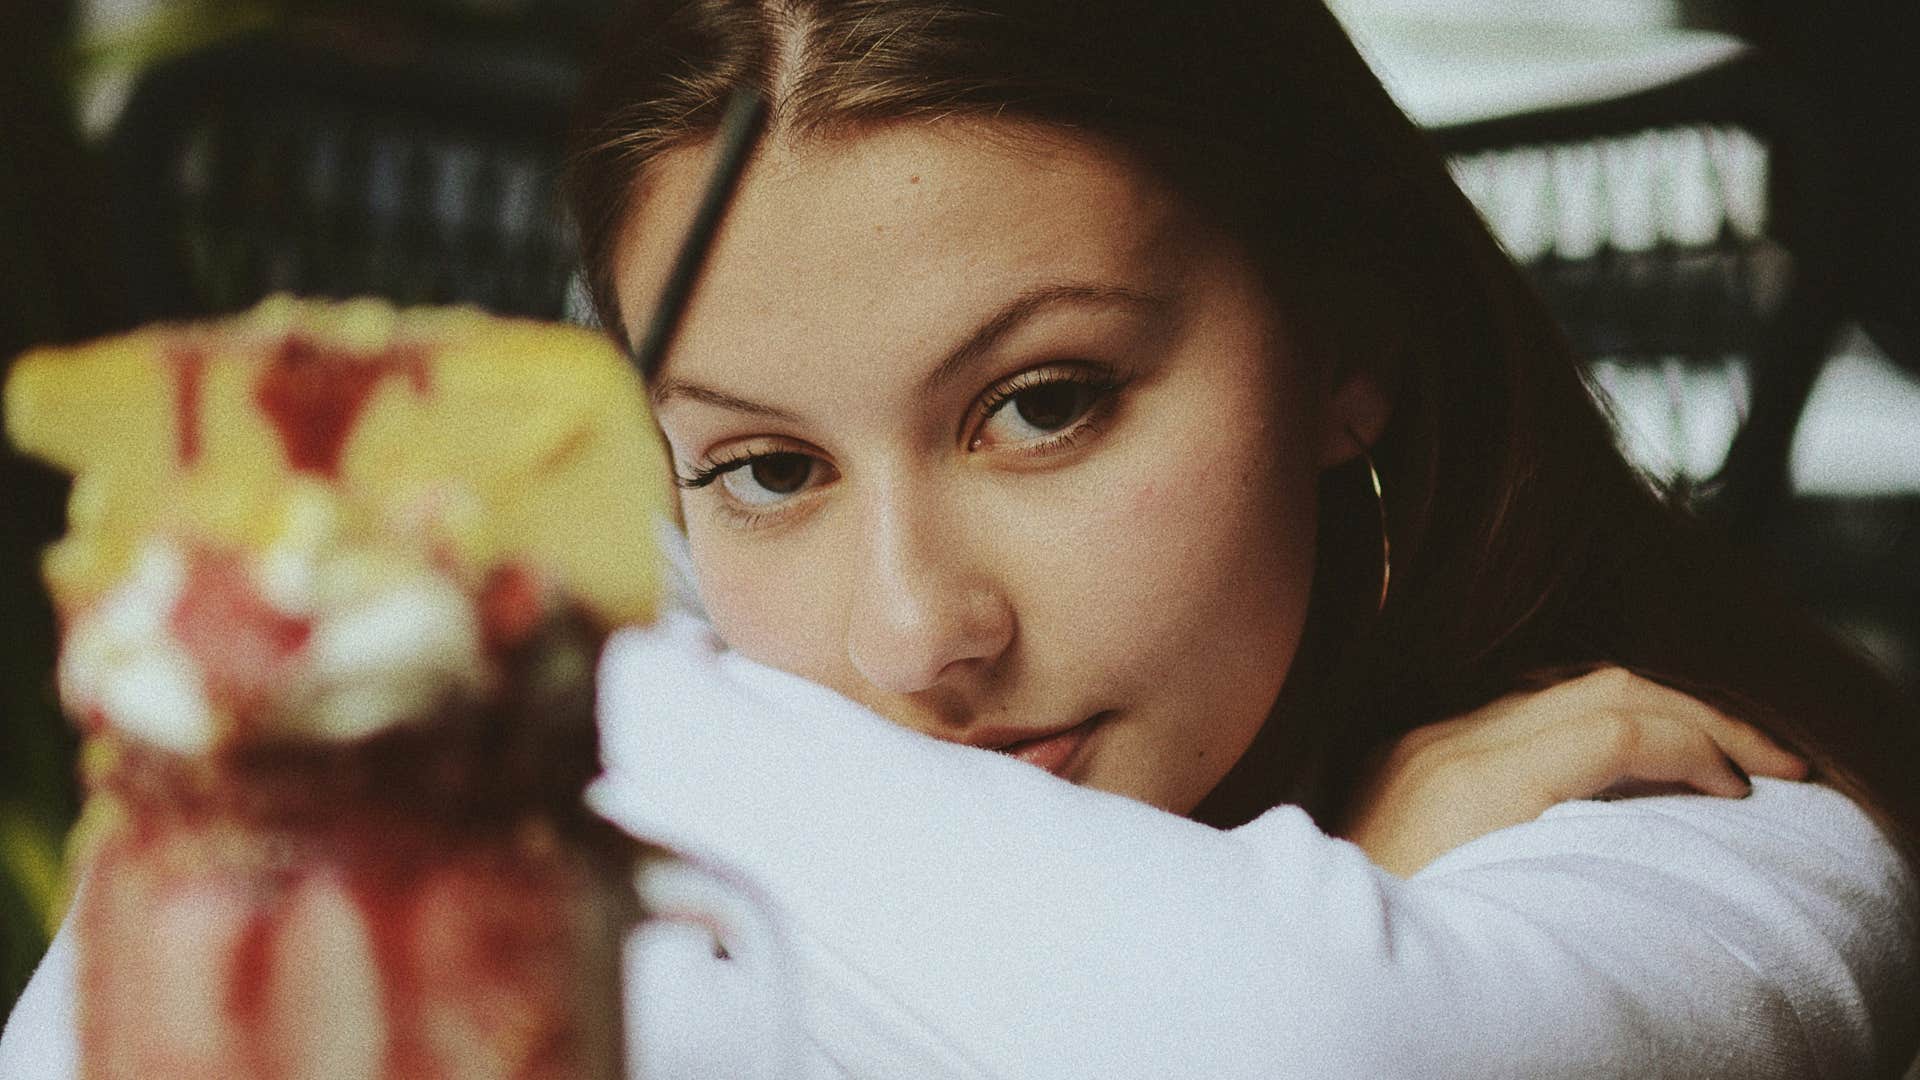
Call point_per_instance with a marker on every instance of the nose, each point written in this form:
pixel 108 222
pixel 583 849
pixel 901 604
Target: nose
pixel 928 609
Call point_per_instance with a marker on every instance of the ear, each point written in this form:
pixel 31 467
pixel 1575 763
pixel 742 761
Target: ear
pixel 1358 406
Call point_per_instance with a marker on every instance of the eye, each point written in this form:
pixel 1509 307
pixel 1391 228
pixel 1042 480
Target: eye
pixel 768 478
pixel 1041 406
pixel 760 481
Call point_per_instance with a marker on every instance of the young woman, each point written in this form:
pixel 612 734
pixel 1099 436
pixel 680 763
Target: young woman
pixel 1125 388
pixel 1034 399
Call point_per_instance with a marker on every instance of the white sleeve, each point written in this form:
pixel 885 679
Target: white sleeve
pixel 945 912
pixel 39 1040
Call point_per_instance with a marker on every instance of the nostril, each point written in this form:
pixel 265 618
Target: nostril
pixel 959 668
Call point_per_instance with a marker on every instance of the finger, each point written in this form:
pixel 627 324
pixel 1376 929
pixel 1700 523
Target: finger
pixel 1675 752
pixel 1645 754
pixel 1751 749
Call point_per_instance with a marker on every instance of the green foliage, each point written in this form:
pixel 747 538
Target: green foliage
pixel 31 893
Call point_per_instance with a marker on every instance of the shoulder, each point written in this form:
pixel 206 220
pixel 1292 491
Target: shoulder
pixel 1795 885
pixel 1798 836
pixel 1825 815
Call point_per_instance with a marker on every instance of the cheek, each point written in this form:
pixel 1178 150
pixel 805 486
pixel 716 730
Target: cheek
pixel 1184 559
pixel 1201 597
pixel 765 602
pixel 1212 525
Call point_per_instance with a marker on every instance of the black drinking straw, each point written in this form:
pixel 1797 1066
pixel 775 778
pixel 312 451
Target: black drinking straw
pixel 739 134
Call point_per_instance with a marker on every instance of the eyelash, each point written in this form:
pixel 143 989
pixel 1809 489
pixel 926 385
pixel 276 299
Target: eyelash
pixel 707 474
pixel 1100 384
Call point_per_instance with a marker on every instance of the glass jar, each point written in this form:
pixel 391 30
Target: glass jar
pixel 417 905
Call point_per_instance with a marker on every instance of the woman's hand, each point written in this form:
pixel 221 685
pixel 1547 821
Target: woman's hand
pixel 1608 732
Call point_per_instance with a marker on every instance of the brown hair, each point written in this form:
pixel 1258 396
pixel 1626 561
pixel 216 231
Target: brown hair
pixel 1524 546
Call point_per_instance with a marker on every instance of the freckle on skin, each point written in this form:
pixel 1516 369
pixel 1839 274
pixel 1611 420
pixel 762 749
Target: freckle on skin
pixel 913 180
pixel 1145 498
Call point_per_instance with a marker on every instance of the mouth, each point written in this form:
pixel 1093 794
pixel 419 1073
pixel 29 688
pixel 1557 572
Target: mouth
pixel 1054 751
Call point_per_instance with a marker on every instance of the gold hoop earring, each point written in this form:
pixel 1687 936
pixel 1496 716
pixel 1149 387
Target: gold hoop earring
pixel 1379 500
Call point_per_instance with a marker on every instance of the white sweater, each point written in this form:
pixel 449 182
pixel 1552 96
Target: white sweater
pixel 897 907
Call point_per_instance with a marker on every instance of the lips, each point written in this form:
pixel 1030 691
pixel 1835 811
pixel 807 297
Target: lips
pixel 1053 751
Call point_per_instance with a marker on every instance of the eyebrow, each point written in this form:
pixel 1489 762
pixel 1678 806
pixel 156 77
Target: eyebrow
pixel 978 344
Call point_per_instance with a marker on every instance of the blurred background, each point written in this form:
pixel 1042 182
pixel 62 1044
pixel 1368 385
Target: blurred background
pixel 1721 199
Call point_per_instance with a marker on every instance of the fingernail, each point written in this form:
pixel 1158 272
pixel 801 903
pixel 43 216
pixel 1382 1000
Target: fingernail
pixel 1741 773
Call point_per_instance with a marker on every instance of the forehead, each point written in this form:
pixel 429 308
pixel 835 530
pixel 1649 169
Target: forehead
pixel 892 233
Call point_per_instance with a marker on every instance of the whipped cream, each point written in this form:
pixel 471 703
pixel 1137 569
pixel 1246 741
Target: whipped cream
pixel 356 639
pixel 120 665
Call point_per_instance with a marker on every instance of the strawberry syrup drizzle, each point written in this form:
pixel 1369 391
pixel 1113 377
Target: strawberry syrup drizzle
pixel 379 884
pixel 189 387
pixel 383 884
pixel 313 396
pixel 511 605
pixel 243 646
pixel 247 987
pixel 388 869
pixel 462 923
pixel 391 930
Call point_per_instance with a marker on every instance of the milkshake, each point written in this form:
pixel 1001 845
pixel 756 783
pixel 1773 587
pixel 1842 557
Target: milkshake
pixel 334 586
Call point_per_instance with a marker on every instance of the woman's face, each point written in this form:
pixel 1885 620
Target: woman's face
pixel 990 436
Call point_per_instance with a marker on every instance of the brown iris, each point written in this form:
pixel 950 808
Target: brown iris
pixel 781 474
pixel 1052 406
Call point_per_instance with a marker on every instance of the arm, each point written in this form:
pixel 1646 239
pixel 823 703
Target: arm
pixel 38 1040
pixel 974 917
